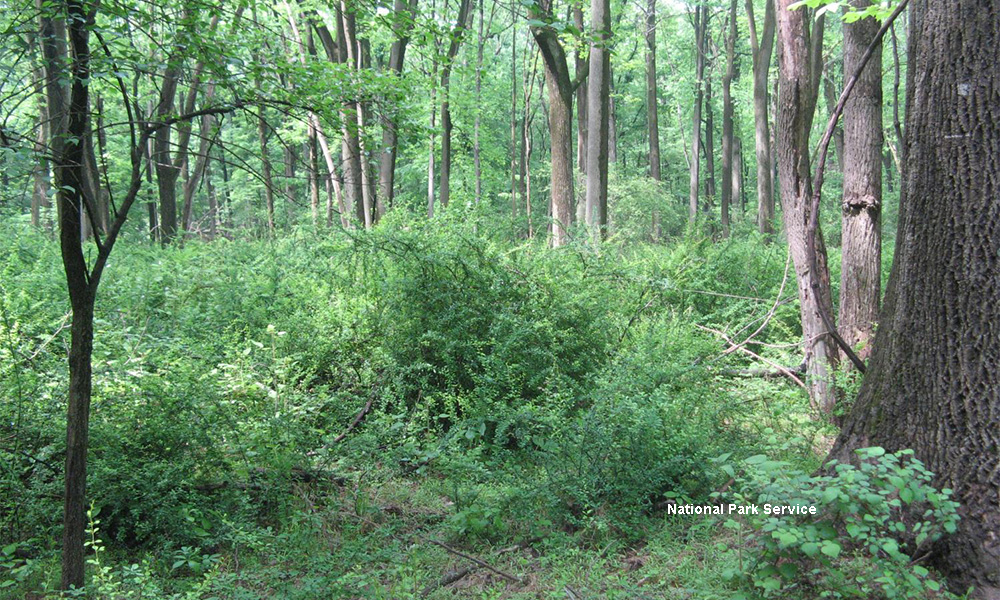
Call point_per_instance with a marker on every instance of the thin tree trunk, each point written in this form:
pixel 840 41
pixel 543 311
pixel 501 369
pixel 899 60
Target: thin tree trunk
pixel 709 147
pixel 761 49
pixel 206 136
pixel 514 142
pixel 70 185
pixel 313 169
pixel 266 166
pixel 464 13
pixel 403 14
pixel 213 204
pixel 613 154
pixel 350 148
pixel 831 83
pixel 861 237
pixel 332 51
pixel 476 158
pixel 652 121
pixel 700 28
pixel 40 195
pixel 728 146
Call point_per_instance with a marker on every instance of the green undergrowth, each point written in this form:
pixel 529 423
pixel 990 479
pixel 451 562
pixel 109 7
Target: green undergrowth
pixel 538 410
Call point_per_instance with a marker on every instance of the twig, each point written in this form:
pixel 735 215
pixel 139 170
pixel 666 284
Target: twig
pixel 770 313
pixel 784 370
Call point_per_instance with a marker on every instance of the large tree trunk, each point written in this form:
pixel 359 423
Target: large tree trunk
pixel 933 384
pixel 796 103
pixel 700 29
pixel 762 48
pixel 560 90
pixel 403 14
pixel 598 104
pixel 861 245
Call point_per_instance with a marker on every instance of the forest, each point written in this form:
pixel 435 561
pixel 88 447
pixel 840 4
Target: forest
pixel 500 299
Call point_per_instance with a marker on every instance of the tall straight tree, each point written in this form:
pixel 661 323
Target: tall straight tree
pixel 701 15
pixel 560 91
pixel 761 47
pixel 933 384
pixel 652 121
pixel 727 119
pixel 796 105
pixel 598 105
pixel 652 108
pixel 861 245
pixel 403 13
pixel 457 33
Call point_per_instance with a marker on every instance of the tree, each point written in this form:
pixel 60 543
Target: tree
pixel 796 105
pixel 933 383
pixel 861 237
pixel 82 279
pixel 652 123
pixel 728 147
pixel 761 48
pixel 560 89
pixel 403 15
pixel 701 16
pixel 457 33
pixel 598 105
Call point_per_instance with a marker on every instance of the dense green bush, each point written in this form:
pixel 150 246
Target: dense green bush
pixel 870 525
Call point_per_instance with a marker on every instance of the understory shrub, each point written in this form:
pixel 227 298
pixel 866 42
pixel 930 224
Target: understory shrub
pixel 873 523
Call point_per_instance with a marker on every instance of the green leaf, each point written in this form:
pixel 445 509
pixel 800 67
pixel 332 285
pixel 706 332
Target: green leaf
pixel 831 549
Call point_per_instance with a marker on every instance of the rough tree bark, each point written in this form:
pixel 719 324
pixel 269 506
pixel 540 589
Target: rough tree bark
pixel 762 49
pixel 933 384
pixel 796 105
pixel 861 237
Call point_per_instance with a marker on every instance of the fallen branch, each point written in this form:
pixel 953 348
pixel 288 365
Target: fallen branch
pixel 446 580
pixel 799 369
pixel 782 369
pixel 357 419
pixel 477 561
